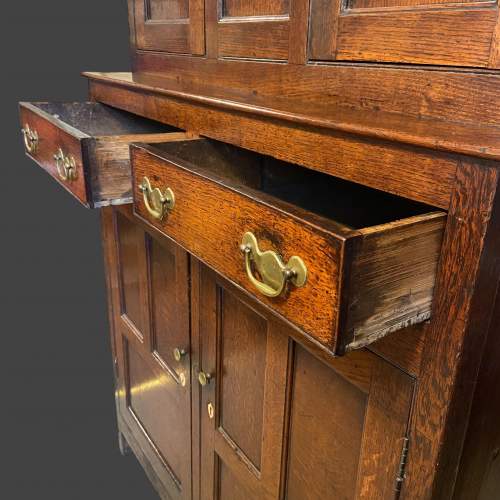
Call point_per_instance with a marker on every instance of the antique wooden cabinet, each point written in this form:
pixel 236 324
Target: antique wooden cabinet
pixel 300 221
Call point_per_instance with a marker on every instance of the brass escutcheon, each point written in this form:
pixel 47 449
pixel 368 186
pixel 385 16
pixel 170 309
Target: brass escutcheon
pixel 158 203
pixel 211 410
pixel 66 166
pixel 274 273
pixel 30 138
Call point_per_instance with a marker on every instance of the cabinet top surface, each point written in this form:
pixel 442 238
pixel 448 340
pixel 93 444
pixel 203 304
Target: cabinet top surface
pixel 470 138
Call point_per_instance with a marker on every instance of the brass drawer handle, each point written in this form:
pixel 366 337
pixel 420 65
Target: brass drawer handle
pixel 30 139
pixel 66 166
pixel 157 203
pixel 274 273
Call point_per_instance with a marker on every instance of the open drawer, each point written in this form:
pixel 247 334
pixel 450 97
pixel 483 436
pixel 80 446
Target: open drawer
pixel 85 146
pixel 343 263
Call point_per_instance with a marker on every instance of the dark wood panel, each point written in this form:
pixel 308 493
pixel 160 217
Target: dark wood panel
pixel 230 487
pixel 175 26
pixel 387 414
pixel 254 39
pixel 244 8
pixel 406 31
pixel 418 37
pixel 132 264
pixel 243 347
pixel 163 282
pixel 260 420
pixel 162 10
pixel 153 397
pixel 328 418
pixel 160 408
pixel 326 429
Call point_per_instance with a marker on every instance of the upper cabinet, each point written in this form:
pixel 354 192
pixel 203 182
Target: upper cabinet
pixel 258 29
pixel 431 32
pixel 437 32
pixel 175 26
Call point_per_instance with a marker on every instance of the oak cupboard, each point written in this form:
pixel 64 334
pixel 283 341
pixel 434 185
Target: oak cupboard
pixel 300 221
pixel 268 416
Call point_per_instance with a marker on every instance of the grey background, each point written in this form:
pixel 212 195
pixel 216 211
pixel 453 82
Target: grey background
pixel 57 418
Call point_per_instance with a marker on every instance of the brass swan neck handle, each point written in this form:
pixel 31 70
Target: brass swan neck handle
pixel 274 272
pixel 157 202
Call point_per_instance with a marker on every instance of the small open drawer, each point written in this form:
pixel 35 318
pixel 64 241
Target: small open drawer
pixel 343 263
pixel 85 146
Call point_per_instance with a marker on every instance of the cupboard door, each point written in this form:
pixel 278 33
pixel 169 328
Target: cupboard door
pixel 439 32
pixel 284 423
pixel 259 29
pixel 151 321
pixel 175 26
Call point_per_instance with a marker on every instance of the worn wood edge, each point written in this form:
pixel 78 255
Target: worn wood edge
pixel 419 240
pixel 430 142
pixel 402 223
pixel 147 138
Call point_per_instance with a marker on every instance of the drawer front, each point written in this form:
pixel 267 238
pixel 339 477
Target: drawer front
pixel 44 141
pixel 210 219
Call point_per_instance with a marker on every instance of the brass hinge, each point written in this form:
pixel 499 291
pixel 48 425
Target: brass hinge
pixel 402 467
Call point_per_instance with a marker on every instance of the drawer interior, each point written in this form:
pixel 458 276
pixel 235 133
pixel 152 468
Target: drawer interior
pixel 345 203
pixel 97 120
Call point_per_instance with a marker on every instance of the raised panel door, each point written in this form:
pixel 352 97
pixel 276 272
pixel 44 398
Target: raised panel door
pixel 150 302
pixel 258 29
pixel 439 32
pixel 285 423
pixel 175 26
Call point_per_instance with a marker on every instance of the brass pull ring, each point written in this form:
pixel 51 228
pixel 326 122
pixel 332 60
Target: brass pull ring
pixel 66 166
pixel 274 273
pixel 30 139
pixel 157 203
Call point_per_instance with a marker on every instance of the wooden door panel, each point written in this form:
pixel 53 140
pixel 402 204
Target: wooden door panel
pixel 286 424
pixel 175 26
pixel 132 273
pixel 325 437
pixel 166 270
pixel 262 29
pixel 164 10
pixel 154 400
pixel 405 31
pixel 241 445
pixel 244 8
pixel 243 337
pixel 151 304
